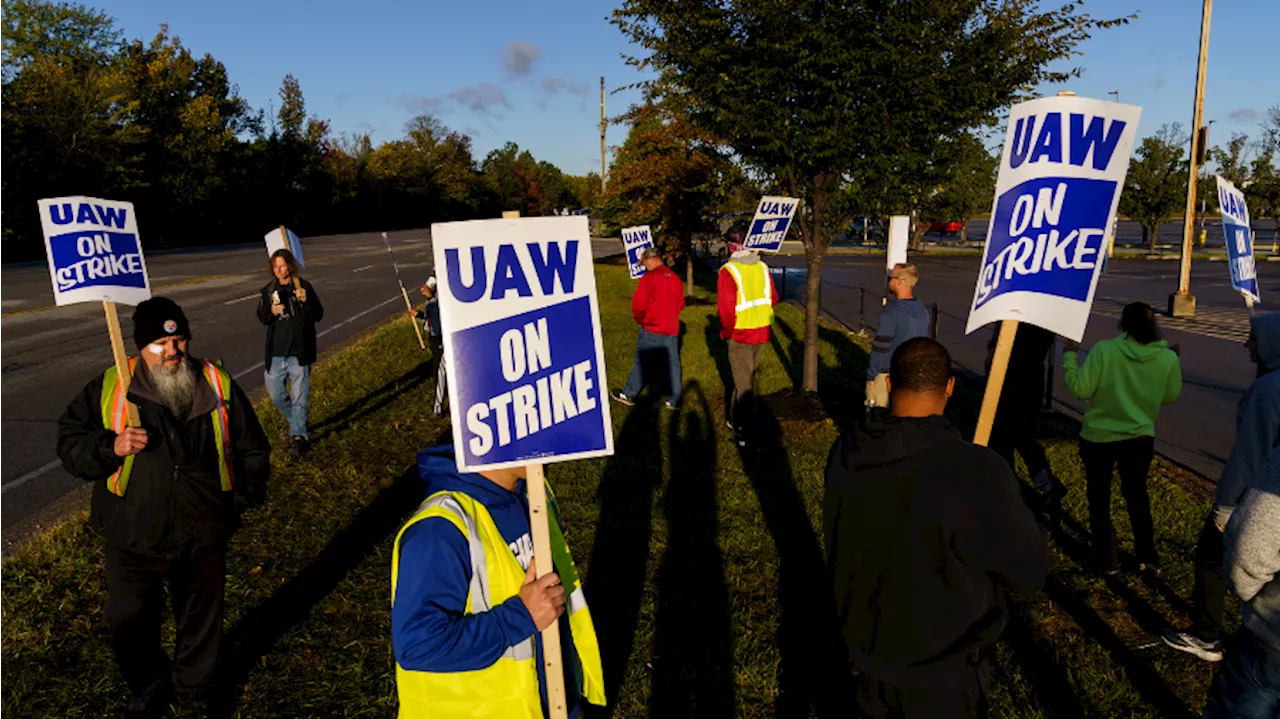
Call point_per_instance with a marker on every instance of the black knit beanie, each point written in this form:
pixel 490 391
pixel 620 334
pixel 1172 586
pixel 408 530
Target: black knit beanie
pixel 156 319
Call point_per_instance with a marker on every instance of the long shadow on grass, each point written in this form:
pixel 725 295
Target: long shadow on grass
pixel 615 574
pixel 693 657
pixel 814 671
pixel 258 631
pixel 372 402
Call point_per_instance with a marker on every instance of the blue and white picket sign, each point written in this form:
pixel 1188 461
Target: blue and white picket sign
pixel 283 238
pixel 1235 224
pixel 522 341
pixel 635 240
pixel 94 251
pixel 1061 173
pixel 769 226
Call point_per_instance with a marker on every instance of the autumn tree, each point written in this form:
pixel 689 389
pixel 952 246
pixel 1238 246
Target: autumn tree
pixel 1156 186
pixel 667 174
pixel 816 93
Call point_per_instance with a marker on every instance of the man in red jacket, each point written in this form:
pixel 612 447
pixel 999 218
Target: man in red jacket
pixel 656 305
pixel 745 299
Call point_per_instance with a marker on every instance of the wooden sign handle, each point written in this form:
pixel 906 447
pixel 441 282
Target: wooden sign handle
pixel 995 381
pixel 539 517
pixel 416 328
pixel 122 361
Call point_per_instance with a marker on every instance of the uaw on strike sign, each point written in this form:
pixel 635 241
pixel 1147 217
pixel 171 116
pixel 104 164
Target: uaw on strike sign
pixel 1235 224
pixel 1061 173
pixel 93 251
pixel 522 341
pixel 635 240
pixel 769 226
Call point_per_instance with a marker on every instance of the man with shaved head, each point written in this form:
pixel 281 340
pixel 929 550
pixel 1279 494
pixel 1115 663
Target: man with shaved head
pixel 925 534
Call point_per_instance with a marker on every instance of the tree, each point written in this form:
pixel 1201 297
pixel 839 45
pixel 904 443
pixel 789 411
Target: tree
pixel 1156 186
pixel 971 182
pixel 666 175
pixel 511 177
pixel 1263 190
pixel 818 93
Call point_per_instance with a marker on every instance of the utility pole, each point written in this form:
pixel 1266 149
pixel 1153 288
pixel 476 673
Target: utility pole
pixel 1182 303
pixel 1116 93
pixel 603 124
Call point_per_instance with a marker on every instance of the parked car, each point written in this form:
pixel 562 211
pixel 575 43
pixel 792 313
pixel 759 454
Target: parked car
pixel 946 227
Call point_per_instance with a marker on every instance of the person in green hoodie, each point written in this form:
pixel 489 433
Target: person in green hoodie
pixel 1126 380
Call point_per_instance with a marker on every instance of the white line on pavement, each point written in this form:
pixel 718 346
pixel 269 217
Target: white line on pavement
pixel 240 299
pixel 41 470
pixel 29 476
pixel 362 269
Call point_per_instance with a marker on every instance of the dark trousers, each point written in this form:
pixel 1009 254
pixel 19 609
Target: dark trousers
pixel 652 351
pixel 135 610
pixel 743 361
pixel 1014 428
pixel 960 695
pixel 1133 459
pixel 437 368
pixel 1247 685
pixel 1208 595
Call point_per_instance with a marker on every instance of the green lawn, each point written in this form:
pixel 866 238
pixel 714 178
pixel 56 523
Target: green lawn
pixel 703 564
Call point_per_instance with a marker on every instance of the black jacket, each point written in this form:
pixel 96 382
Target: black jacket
pixel 924 532
pixel 302 318
pixel 174 503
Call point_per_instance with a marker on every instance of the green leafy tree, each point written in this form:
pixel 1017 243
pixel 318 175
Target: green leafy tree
pixel 511 177
pixel 816 93
pixel 1156 186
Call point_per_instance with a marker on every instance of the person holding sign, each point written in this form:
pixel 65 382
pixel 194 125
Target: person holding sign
pixel 656 305
pixel 167 496
pixel 430 316
pixel 745 300
pixel 466 610
pixel 906 318
pixel 1126 381
pixel 925 533
pixel 290 308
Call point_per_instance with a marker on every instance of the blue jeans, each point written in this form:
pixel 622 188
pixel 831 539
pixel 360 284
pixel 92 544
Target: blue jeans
pixel 1248 682
pixel 293 402
pixel 652 348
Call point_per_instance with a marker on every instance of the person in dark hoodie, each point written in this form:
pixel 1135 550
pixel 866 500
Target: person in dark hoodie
pixel 466 610
pixel 1248 684
pixel 290 308
pixel 1257 433
pixel 1014 428
pixel 167 495
pixel 925 534
pixel 1126 380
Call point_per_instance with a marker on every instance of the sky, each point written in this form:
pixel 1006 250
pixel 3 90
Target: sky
pixel 501 70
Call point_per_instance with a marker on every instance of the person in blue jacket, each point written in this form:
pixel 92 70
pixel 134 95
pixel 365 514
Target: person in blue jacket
pixel 467 612
pixel 1257 433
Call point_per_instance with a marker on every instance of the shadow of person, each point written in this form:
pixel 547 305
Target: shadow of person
pixel 719 351
pixel 814 672
pixel 693 654
pixel 614 577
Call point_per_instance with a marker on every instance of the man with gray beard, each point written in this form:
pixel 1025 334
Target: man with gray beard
pixel 167 496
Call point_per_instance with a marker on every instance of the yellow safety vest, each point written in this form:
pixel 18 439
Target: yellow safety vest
pixel 507 689
pixel 755 295
pixel 114 418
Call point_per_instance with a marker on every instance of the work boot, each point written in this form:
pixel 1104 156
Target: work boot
pixel 151 704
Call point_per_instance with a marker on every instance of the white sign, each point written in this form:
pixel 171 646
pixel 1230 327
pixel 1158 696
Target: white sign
pixel 1235 224
pixel 769 226
pixel 1061 173
pixel 899 229
pixel 522 341
pixel 283 239
pixel 635 240
pixel 93 250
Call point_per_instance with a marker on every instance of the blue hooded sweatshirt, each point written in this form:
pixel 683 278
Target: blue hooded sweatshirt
pixel 429 630
pixel 1257 421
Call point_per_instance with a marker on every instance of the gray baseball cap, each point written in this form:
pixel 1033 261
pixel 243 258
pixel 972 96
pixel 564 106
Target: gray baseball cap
pixel 651 253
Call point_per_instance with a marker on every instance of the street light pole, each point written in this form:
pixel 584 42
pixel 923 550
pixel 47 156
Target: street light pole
pixel 1182 303
pixel 1116 93
pixel 603 125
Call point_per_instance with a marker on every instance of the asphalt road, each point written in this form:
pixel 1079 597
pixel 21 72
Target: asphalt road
pixel 50 353
pixel 1196 431
pixel 1168 237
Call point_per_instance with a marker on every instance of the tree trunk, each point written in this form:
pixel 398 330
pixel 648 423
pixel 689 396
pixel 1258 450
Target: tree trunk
pixel 1149 234
pixel 814 251
pixel 964 232
pixel 688 274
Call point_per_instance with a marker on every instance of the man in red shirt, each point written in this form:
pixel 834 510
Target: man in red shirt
pixel 656 305
pixel 745 300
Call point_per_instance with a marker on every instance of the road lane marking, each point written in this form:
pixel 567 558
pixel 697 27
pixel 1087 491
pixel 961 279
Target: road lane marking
pixel 362 269
pixel 240 299
pixel 29 476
